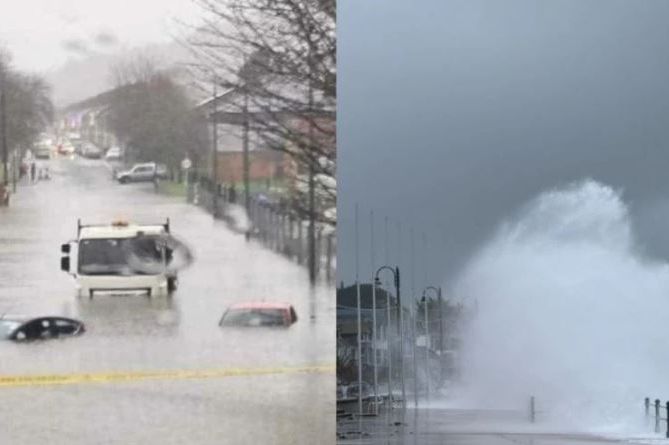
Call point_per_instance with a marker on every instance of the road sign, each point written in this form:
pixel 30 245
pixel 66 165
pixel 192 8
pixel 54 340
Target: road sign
pixel 186 164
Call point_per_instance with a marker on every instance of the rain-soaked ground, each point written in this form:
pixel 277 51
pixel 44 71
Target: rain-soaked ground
pixel 460 427
pixel 128 334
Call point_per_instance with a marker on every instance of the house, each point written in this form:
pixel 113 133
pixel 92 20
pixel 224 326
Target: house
pixel 268 123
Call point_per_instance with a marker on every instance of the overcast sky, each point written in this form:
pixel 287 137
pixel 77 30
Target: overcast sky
pixel 43 34
pixel 453 114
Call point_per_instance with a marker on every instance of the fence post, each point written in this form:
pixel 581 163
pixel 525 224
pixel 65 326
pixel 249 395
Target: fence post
pixel 532 410
pixel 667 407
pixel 319 251
pixel 300 253
pixel 275 229
pixel 291 237
pixel 657 415
pixel 328 265
pixel 283 233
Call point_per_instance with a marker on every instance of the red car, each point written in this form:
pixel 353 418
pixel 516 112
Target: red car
pixel 262 313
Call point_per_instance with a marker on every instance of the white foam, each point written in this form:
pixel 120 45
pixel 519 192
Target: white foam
pixel 568 311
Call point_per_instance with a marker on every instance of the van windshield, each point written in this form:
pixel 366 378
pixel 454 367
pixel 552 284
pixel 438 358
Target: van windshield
pixel 121 256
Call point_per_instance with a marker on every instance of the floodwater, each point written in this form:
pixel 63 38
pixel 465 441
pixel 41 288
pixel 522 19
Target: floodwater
pixel 181 333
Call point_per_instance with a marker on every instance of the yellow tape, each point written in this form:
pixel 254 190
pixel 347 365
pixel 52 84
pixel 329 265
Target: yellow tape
pixel 108 377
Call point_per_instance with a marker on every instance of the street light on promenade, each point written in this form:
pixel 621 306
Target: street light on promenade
pixel 396 276
pixel 427 333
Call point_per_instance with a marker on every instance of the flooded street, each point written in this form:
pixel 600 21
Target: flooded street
pixel 218 386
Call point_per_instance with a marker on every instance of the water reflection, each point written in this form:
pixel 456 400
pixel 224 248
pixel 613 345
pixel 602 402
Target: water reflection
pixel 134 316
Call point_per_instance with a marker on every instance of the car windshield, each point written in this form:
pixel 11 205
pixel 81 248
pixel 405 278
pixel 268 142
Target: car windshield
pixel 254 317
pixel 120 256
pixel 7 327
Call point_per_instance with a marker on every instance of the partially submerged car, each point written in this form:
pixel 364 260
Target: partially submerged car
pixel 39 328
pixel 254 314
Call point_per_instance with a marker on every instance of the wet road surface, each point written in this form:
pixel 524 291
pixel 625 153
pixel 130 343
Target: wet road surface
pixel 458 427
pixel 281 388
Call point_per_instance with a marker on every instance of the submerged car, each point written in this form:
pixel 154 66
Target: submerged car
pixel 259 314
pixel 40 328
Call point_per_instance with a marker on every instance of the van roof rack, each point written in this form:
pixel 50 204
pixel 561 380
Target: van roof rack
pixel 80 226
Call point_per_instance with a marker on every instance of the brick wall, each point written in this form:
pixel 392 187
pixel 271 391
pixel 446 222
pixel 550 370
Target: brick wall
pixel 263 165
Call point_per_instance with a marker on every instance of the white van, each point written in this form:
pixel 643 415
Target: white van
pixel 120 259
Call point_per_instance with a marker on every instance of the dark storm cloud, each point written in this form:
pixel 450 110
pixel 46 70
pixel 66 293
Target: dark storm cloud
pixel 106 38
pixel 77 46
pixel 455 113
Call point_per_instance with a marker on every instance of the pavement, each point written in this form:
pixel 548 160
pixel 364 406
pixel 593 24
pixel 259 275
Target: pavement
pixel 433 426
pixel 157 371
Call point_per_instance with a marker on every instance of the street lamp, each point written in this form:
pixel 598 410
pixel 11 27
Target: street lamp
pixel 3 122
pixel 427 334
pixel 400 333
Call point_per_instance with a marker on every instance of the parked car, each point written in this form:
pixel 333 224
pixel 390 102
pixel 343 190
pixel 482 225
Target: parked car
pixel 40 328
pixel 90 151
pixel 43 152
pixel 65 148
pixel 256 314
pixel 113 154
pixel 145 172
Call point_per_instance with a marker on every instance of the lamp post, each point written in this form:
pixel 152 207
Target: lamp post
pixel 3 122
pixel 214 149
pixel 427 332
pixel 396 276
pixel 441 339
pixel 376 383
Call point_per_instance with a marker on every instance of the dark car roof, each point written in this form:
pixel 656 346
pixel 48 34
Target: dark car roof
pixel 25 318
pixel 23 322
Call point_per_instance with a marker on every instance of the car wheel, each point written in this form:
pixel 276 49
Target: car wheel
pixel 123 180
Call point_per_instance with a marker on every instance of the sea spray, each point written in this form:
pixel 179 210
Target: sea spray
pixel 568 310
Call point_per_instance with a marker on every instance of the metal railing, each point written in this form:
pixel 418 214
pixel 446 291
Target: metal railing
pixel 657 414
pixel 274 226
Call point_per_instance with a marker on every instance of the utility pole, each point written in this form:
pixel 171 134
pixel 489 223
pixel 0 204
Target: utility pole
pixel 245 146
pixel 312 170
pixel 400 332
pixel 214 151
pixel 374 336
pixel 3 123
pixel 441 337
pixel 390 352
pixel 427 350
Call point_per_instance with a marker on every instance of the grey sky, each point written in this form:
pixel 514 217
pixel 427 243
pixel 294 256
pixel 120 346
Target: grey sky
pixel 454 113
pixel 43 34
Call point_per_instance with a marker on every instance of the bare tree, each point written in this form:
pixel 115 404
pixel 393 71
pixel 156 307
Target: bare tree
pixel 152 114
pixel 279 56
pixel 279 59
pixel 134 68
pixel 26 108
